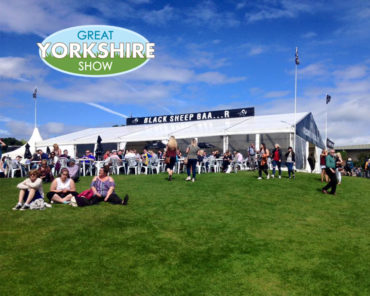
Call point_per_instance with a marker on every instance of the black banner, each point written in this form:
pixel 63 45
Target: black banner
pixel 220 114
pixel 308 130
pixel 329 143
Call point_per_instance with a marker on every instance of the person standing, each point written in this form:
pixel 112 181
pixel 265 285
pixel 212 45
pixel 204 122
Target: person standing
pixel 252 157
pixel 290 160
pixel 367 168
pixel 323 155
pixel 262 165
pixel 170 156
pixel 2 144
pixel 339 167
pixel 192 154
pixel 276 160
pixel 330 171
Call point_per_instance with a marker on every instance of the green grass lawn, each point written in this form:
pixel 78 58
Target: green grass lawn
pixel 222 235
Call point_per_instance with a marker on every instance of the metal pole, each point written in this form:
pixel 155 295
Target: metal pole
pixel 35 113
pixel 295 104
pixel 326 127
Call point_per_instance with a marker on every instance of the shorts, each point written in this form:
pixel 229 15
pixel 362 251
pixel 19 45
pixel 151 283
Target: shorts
pixel 172 163
pixel 37 196
pixel 323 167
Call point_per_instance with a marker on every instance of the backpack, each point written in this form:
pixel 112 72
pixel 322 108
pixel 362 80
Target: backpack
pixel 88 194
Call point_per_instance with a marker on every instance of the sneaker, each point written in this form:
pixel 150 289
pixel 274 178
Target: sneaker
pixel 193 180
pixel 25 207
pixel 272 176
pixel 47 205
pixel 125 200
pixel 188 179
pixel 259 178
pixel 279 177
pixel 17 207
pixel 268 176
pixel 324 191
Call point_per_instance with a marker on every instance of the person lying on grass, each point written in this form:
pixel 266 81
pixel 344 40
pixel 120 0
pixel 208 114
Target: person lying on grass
pixel 29 190
pixel 103 190
pixel 62 189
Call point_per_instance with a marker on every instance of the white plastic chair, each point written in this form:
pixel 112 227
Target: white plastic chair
pixel 132 164
pixel 12 168
pixel 213 164
pixel 117 166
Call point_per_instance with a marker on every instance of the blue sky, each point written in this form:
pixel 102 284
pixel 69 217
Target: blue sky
pixel 209 55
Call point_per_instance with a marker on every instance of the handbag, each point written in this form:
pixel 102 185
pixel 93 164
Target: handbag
pixel 167 160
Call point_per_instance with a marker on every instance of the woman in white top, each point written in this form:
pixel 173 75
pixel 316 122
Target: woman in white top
pixel 29 191
pixel 62 189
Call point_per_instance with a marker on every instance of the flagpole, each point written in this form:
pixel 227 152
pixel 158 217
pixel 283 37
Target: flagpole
pixel 326 125
pixel 295 98
pixel 35 113
pixel 34 95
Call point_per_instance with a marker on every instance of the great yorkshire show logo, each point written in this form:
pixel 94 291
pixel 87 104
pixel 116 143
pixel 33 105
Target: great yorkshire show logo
pixel 96 51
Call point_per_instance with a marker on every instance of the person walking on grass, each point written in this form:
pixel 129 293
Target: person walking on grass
pixel 29 191
pixel 62 189
pixel 170 156
pixel 262 165
pixel 290 160
pixel 192 155
pixel 323 155
pixel 330 171
pixel 276 160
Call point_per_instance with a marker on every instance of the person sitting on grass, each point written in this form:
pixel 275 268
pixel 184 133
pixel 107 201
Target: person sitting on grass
pixel 73 169
pixel 45 172
pixel 62 189
pixel 103 190
pixel 29 191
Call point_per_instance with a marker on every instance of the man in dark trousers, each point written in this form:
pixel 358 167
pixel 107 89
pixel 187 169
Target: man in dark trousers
pixel 330 170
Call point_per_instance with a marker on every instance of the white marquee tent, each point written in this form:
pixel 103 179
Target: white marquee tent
pixel 230 133
pixel 35 137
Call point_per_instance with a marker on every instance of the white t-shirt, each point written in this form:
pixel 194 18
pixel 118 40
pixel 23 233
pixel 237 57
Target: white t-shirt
pixel 65 185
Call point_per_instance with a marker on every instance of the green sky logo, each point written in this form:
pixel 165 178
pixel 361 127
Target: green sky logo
pixel 96 51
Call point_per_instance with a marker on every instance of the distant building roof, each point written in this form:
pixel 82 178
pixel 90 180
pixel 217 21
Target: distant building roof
pixel 354 147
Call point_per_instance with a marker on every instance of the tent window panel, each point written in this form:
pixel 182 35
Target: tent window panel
pixel 138 146
pixel 271 139
pixel 81 148
pixel 109 146
pixel 216 143
pixel 241 143
pixel 300 153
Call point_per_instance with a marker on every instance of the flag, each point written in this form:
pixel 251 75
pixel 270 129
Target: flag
pixel 34 95
pixel 296 56
pixel 328 98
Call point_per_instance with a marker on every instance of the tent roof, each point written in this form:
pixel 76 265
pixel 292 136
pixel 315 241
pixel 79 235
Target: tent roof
pixel 35 137
pixel 278 123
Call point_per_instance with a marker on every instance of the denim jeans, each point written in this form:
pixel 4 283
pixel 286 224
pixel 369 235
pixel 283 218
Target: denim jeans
pixel 192 163
pixel 290 168
pixel 274 164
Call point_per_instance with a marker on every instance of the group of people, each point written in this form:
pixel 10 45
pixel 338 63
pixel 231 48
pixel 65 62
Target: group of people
pixel 63 191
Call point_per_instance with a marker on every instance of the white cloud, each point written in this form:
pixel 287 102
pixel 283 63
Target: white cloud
pixel 159 17
pixel 348 111
pixel 309 35
pixel 352 72
pixel 277 94
pixel 313 70
pixel 207 14
pixel 41 17
pixel 18 68
pixel 278 9
pixel 107 110
pixel 217 78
